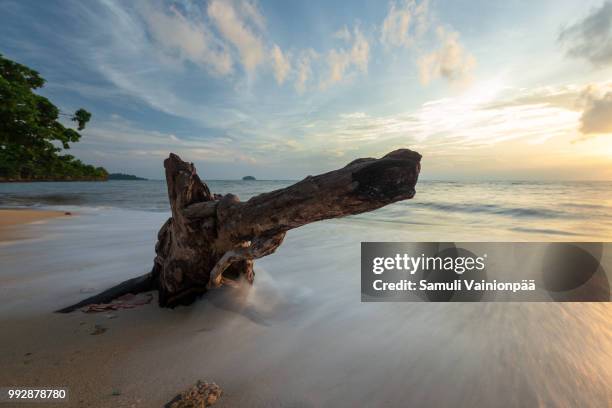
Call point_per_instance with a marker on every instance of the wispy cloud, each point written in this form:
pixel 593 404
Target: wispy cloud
pixel 190 40
pixel 232 82
pixel 458 127
pixel 228 38
pixel 282 65
pixel 119 139
pixel 304 69
pixel 451 61
pixel 343 34
pixel 405 23
pixel 237 24
pixel 341 60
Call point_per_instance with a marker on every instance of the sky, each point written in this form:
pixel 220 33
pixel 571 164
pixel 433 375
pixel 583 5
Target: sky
pixel 484 90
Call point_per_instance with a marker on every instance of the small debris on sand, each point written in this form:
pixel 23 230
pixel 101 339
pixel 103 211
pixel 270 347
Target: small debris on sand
pixel 202 394
pixel 128 301
pixel 98 330
pixel 67 213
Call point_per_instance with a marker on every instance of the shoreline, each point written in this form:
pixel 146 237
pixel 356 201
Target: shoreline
pixel 12 220
pixel 48 180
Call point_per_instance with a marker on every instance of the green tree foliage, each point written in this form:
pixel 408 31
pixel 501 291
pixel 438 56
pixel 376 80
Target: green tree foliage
pixel 30 132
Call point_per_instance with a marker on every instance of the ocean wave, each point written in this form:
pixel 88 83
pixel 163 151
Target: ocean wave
pixel 544 231
pixel 587 206
pixel 42 199
pixel 493 209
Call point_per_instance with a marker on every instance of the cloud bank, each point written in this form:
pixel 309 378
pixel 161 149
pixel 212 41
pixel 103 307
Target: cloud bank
pixel 591 37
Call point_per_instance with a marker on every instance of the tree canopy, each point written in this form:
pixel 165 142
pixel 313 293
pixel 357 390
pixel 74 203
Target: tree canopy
pixel 30 132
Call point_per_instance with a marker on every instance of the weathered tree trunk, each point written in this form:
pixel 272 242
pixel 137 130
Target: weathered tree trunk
pixel 209 237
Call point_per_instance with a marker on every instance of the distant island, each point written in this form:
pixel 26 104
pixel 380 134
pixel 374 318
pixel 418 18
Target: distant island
pixel 249 178
pixel 121 176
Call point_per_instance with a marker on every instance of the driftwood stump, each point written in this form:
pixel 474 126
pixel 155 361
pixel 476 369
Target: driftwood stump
pixel 210 238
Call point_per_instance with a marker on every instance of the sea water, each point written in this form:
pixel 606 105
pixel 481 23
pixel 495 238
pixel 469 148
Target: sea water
pixel 459 211
pixel 300 336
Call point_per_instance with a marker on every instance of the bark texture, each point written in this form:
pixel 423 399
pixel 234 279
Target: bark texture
pixel 207 238
pixel 210 238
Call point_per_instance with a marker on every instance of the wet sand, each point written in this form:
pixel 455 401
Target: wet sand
pixel 299 337
pixel 12 220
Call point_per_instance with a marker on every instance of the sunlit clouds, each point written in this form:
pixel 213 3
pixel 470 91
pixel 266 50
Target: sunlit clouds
pixel 405 23
pixel 597 116
pixel 450 61
pixel 281 90
pixel 236 26
pixel 222 34
pixel 188 40
pixel 467 121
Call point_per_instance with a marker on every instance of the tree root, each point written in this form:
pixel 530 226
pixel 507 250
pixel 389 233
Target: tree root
pixel 143 283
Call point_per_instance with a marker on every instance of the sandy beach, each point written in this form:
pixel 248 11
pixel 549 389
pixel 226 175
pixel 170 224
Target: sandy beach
pixel 13 220
pixel 299 337
pixel 272 204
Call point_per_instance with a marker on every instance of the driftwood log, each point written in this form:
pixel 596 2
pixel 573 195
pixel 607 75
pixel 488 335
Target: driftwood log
pixel 210 238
